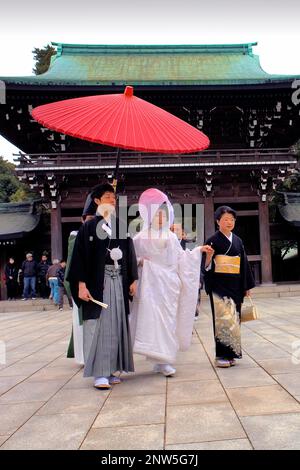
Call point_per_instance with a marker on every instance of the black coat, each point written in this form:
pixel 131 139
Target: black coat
pixel 42 269
pixel 29 268
pixel 90 255
pixel 11 271
pixel 61 276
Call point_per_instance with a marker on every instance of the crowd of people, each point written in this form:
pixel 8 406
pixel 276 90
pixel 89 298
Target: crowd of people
pixel 140 295
pixel 34 278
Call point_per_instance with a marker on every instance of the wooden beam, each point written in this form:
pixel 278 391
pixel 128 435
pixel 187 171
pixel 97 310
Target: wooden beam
pixel 209 217
pixel 265 243
pixel 250 213
pixel 56 233
pixel 69 220
pixel 237 200
pixel 3 261
pixel 253 258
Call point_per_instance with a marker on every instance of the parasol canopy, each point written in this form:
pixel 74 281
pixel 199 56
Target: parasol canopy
pixel 123 121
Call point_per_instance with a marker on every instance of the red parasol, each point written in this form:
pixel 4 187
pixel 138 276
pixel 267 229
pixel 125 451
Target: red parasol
pixel 123 121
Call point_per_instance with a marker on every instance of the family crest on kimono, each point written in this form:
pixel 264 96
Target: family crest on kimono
pixel 228 279
pixel 95 275
pixel 162 312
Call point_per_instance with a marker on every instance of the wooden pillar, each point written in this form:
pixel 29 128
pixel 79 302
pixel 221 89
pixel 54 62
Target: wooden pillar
pixel 3 262
pixel 209 217
pixel 56 232
pixel 265 243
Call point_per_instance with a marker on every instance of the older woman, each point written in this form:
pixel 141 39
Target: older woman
pixel 227 281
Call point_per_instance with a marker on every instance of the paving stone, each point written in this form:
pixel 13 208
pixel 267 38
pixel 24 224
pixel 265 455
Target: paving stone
pixel 21 369
pixel 274 432
pixel 53 373
pixel 78 381
pixel 290 382
pixel 146 384
pixel 262 400
pixel 75 402
pixel 15 415
pixel 3 439
pixel 280 366
pixel 27 392
pixel 146 437
pixel 201 423
pixel 190 372
pixel 6 383
pixel 186 393
pixel 236 444
pixel 56 432
pixel 235 377
pixel 132 411
pixel 267 351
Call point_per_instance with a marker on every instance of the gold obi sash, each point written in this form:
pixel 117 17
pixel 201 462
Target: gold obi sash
pixel 227 264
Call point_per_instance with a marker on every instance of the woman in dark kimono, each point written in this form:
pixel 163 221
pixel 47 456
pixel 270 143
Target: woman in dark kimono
pixel 228 279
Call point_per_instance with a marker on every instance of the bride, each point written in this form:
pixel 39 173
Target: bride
pixel 162 312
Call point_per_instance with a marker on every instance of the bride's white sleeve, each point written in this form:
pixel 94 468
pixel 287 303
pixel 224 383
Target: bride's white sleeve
pixel 189 266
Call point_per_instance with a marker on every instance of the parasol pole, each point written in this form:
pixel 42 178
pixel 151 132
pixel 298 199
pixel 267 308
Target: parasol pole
pixel 116 172
pixel 128 92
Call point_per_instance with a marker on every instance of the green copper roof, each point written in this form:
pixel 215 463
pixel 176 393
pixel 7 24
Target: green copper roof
pixel 77 64
pixel 17 219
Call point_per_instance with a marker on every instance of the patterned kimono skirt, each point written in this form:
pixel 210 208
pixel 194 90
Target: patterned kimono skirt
pixel 227 327
pixel 106 341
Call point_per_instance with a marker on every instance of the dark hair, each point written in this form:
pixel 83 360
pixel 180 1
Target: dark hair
pixel 224 210
pixel 100 189
pixel 62 261
pixel 90 207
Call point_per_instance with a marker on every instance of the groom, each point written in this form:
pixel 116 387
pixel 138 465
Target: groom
pixel 94 275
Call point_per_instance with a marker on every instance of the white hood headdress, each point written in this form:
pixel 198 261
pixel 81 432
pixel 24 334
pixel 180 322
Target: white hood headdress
pixel 149 203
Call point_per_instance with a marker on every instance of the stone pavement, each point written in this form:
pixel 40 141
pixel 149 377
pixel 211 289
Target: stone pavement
pixel 46 404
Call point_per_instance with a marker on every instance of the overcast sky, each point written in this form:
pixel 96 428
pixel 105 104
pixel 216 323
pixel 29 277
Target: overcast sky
pixel 32 23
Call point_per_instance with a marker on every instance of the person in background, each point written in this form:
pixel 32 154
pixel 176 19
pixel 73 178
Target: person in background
pixel 42 270
pixel 61 289
pixel 11 276
pixel 52 280
pixel 180 233
pixel 29 271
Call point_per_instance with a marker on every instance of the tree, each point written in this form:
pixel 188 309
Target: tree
pixel 42 58
pixel 11 190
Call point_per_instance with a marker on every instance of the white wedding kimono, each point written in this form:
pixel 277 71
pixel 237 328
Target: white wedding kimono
pixel 163 310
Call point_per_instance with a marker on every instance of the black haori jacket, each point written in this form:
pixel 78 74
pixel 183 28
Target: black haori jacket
pixel 89 258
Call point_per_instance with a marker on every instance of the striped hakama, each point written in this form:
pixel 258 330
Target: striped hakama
pixel 106 341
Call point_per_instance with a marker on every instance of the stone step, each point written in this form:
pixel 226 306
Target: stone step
pixel 37 305
pixel 264 291
pixel 272 291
